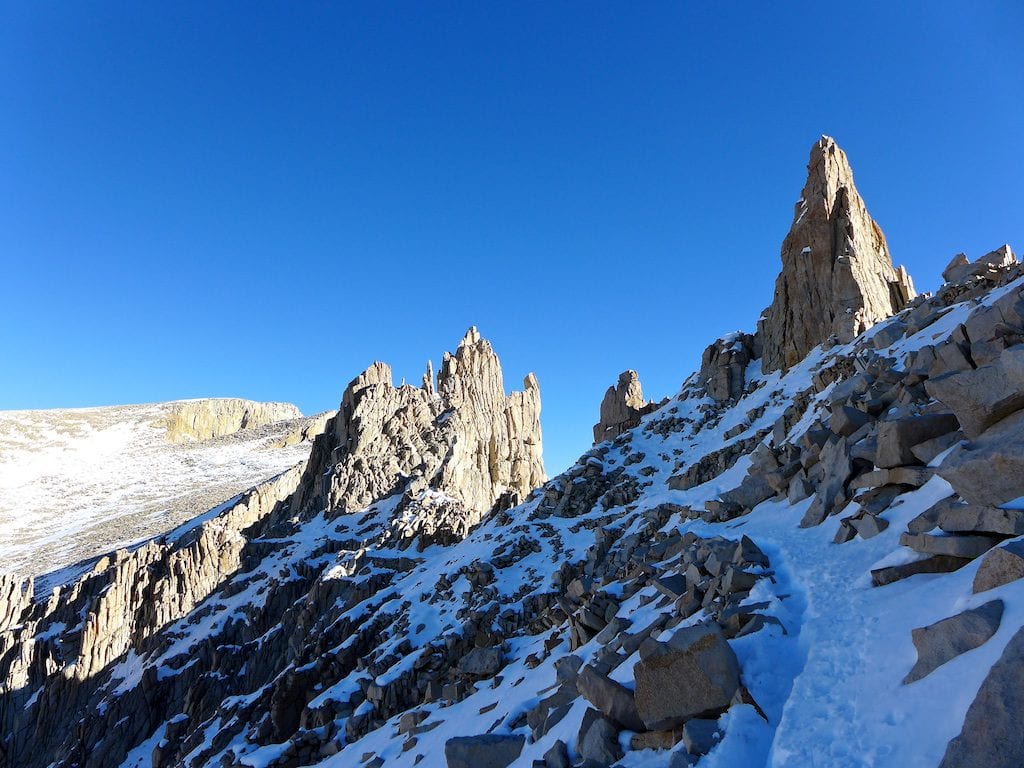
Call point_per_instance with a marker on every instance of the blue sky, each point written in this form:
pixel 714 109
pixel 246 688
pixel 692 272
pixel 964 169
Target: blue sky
pixel 258 200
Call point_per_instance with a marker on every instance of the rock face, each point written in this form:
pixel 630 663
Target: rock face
pixel 622 407
pixel 215 417
pixel 837 276
pixel 463 448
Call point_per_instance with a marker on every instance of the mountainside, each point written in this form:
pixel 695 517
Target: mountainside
pixel 806 557
pixel 74 482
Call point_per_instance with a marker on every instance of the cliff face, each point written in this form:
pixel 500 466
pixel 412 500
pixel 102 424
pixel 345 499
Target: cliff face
pixel 218 416
pixel 622 407
pixel 837 277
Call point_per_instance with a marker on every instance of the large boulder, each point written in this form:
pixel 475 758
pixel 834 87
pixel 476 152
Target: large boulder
pixel 989 470
pixel 837 276
pixel 896 438
pixel 484 751
pixel 945 640
pixel 1000 566
pixel 598 739
pixel 982 396
pixel 694 674
pixel 992 734
pixel 611 698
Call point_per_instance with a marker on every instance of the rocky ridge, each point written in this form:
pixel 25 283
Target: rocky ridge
pixel 218 416
pixel 798 569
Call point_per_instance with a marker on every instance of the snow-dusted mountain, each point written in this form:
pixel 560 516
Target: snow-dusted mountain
pixel 75 483
pixel 809 556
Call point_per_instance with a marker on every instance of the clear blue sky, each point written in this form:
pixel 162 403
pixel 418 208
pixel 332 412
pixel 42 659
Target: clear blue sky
pixel 260 199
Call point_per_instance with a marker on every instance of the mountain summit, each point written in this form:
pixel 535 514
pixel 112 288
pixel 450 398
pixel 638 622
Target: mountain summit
pixel 837 277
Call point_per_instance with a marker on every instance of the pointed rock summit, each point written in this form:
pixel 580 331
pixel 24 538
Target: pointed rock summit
pixel 622 407
pixel 837 277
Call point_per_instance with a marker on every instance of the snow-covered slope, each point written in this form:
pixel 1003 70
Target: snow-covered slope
pixel 78 482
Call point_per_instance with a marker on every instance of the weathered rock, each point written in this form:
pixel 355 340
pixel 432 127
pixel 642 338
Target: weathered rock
pixel 989 470
pixel 598 739
pixel 481 662
pixel 622 407
pixel 983 396
pixel 217 416
pixel 1000 566
pixel 694 674
pixel 484 751
pixel 992 735
pixel 836 464
pixel 700 736
pixel 557 756
pixel 945 640
pixel 971 518
pixel 837 277
pixel 960 268
pixel 897 438
pixel 609 697
pixel 954 546
pixel 935 564
pixel 724 364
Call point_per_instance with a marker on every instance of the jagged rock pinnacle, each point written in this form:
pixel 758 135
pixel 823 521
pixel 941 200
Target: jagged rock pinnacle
pixel 837 276
pixel 622 407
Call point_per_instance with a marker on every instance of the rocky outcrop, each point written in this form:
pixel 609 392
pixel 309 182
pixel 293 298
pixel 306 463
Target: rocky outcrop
pixel 837 276
pixel 215 417
pixel 466 445
pixel 622 407
pixel 723 367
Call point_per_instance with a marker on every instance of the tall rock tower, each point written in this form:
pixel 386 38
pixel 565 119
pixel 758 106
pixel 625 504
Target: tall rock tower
pixel 837 275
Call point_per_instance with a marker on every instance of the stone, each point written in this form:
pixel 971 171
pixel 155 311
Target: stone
pixel 953 546
pixel 989 470
pixel 972 518
pixel 622 407
pixel 935 564
pixel 945 640
pixel 598 739
pixel 481 662
pixel 897 438
pixel 846 420
pixel 836 464
pixel 927 451
pixel 869 526
pixel 655 740
pixel 484 751
pixel 983 396
pixel 837 276
pixel 557 756
pixel 1000 566
pixel 694 674
pixel 700 735
pixel 610 698
pixel 752 491
pixel 991 734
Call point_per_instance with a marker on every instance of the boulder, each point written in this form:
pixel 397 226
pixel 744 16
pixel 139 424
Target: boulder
pixel 1000 566
pixel 935 564
pixel 953 546
pixel 700 735
pixel 557 756
pixel 982 396
pixel 598 739
pixel 846 420
pixel 972 518
pixel 481 662
pixel 484 751
pixel 837 466
pixel 611 698
pixel 945 640
pixel 723 366
pixel 989 470
pixel 694 674
pixel 992 733
pixel 897 438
